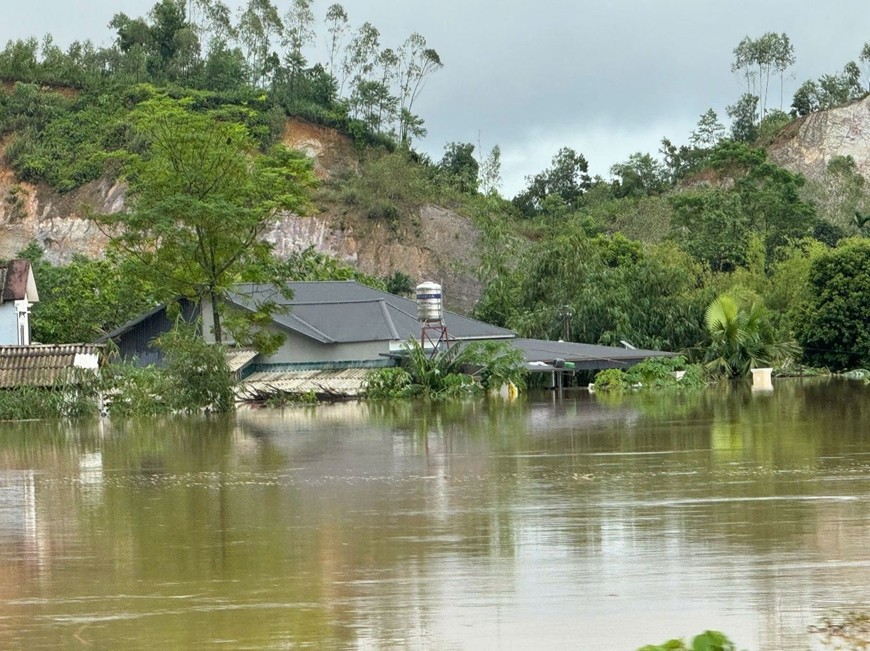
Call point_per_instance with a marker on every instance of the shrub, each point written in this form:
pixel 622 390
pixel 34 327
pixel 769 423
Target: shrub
pixel 611 379
pixel 136 391
pixel 653 373
pixel 388 383
pixel 448 373
pixel 706 641
pixel 197 372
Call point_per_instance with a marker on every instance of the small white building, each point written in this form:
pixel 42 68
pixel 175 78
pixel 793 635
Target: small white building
pixel 17 294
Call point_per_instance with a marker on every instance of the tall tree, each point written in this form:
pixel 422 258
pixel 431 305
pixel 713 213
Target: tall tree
pixel 864 58
pixel 641 175
pixel 709 131
pixel 783 59
pixel 489 172
pixel 201 196
pixel 833 327
pixel 360 57
pixel 168 22
pixel 564 182
pixel 298 33
pixel 416 63
pixel 259 23
pixel 756 59
pixel 337 28
pixel 744 118
pixel 459 167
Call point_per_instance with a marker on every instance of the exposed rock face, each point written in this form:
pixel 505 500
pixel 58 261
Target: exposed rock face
pixel 809 144
pixel 332 152
pixel 442 247
pixel 436 245
pixel 35 213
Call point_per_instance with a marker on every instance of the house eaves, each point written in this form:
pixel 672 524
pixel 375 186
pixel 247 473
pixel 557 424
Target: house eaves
pixel 46 365
pixel 17 282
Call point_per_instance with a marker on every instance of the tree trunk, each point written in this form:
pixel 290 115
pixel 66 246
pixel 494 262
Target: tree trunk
pixel 216 320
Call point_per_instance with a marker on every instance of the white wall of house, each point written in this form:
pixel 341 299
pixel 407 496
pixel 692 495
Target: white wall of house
pixel 8 324
pixel 23 309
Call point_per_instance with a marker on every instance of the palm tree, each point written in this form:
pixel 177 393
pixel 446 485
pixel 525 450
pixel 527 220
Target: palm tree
pixel 740 338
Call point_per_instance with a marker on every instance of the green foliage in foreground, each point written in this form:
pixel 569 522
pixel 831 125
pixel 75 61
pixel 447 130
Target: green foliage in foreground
pixel 833 327
pixel 197 372
pixel 63 400
pixel 199 200
pixel 195 378
pixel 84 299
pixel 706 641
pixel 456 371
pixel 740 338
pixel 653 373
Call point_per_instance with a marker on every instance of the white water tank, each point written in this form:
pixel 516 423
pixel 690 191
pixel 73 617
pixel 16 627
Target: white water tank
pixel 761 379
pixel 429 302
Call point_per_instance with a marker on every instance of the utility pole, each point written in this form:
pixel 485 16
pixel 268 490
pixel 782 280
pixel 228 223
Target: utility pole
pixel 566 322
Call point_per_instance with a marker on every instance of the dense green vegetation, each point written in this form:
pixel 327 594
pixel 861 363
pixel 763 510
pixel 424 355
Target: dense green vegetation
pixel 460 370
pixel 707 247
pixel 655 373
pixel 195 377
pixel 706 641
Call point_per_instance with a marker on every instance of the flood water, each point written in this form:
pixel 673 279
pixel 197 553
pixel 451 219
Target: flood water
pixel 591 523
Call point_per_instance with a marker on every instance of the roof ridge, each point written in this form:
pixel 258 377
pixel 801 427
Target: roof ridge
pixel 374 299
pixel 326 337
pixel 385 311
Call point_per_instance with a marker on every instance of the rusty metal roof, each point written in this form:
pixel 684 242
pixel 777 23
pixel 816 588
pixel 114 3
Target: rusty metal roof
pixel 16 281
pixel 44 365
pixel 347 382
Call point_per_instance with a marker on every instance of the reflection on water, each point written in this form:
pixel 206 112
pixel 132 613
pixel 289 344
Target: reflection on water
pixel 592 523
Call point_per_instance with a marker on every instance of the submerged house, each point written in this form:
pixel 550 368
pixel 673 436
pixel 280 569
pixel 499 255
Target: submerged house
pixel 21 361
pixel 17 294
pixel 335 331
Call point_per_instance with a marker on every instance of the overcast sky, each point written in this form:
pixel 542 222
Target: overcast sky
pixel 605 78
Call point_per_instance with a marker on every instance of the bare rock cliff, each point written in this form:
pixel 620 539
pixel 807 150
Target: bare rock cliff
pixel 35 213
pixel 436 244
pixel 440 246
pixel 808 144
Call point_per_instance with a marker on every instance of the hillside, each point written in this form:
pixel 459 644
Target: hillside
pixel 809 143
pixel 437 244
pixel 433 244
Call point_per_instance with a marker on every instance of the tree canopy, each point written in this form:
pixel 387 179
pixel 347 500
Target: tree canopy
pixel 201 196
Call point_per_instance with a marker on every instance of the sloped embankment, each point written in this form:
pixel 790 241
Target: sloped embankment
pixel 440 245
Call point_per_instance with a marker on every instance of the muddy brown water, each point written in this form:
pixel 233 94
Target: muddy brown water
pixel 593 523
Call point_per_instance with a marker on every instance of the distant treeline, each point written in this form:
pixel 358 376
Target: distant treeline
pixel 201 45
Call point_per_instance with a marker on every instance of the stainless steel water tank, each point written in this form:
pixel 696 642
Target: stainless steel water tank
pixel 429 302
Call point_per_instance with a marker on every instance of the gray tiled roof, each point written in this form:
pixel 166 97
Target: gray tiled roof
pixel 584 356
pixel 346 311
pixel 41 365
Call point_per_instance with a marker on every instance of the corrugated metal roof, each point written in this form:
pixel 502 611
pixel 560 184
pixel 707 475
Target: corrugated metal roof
pixel 584 356
pixel 347 382
pixel 238 358
pixel 44 365
pixel 346 311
